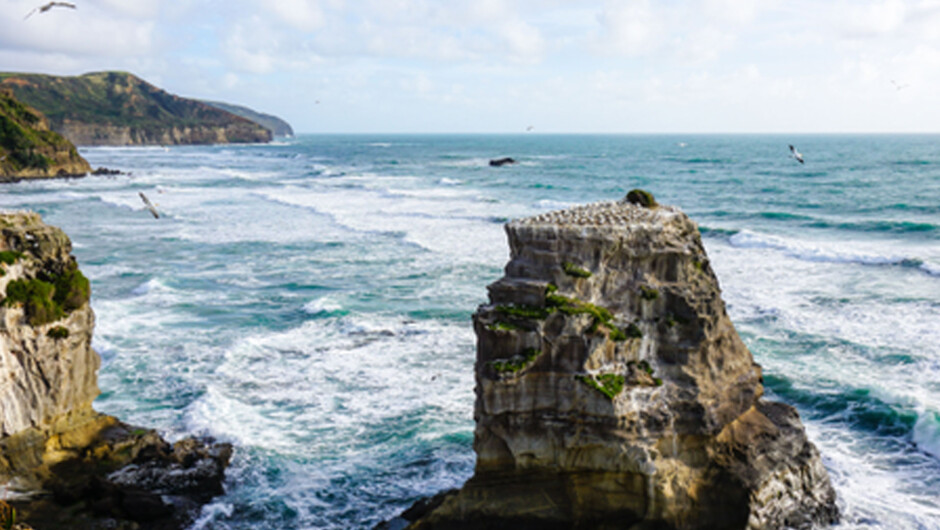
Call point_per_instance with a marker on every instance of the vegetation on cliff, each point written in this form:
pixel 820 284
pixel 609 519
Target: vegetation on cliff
pixel 120 108
pixel 28 148
pixel 277 126
pixel 49 298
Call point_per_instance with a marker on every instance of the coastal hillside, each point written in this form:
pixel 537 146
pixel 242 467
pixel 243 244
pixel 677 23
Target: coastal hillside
pixel 28 148
pixel 119 108
pixel 277 126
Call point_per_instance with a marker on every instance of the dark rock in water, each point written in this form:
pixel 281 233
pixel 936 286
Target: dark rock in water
pixel 601 406
pixel 106 171
pixel 497 162
pixel 76 468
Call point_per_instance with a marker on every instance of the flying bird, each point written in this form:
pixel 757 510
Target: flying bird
pixel 898 86
pixel 796 154
pixel 47 7
pixel 149 205
pixel 529 128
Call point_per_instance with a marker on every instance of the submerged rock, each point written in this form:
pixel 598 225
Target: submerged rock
pixel 65 465
pixel 614 392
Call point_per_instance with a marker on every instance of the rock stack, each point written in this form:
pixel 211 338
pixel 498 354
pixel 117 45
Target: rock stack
pixel 614 392
pixel 66 465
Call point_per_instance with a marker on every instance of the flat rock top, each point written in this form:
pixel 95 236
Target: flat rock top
pixel 19 219
pixel 608 214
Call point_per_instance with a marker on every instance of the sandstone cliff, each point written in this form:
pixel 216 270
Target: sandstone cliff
pixel 76 468
pixel 614 392
pixel 28 149
pixel 118 108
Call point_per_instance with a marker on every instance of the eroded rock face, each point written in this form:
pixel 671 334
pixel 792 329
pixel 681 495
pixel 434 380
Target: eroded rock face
pixel 614 392
pixel 77 468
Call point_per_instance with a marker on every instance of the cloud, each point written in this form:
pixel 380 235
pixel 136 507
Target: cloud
pixel 735 11
pixel 704 44
pixel 872 18
pixel 305 15
pixel 628 28
pixel 85 32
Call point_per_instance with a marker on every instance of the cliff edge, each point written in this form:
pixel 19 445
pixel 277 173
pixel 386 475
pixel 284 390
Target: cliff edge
pixel 63 465
pixel 614 392
pixel 119 108
pixel 28 149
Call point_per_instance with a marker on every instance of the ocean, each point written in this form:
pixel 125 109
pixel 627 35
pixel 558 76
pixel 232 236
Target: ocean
pixel 309 300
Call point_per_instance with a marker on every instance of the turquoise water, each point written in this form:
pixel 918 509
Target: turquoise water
pixel 309 300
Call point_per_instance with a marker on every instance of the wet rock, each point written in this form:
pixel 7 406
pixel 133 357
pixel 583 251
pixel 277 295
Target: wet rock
pixel 498 162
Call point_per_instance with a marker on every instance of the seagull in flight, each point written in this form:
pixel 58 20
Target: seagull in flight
pixel 149 205
pixel 796 154
pixel 47 7
pixel 898 86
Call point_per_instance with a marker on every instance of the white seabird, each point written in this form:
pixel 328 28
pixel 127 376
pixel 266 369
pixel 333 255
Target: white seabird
pixel 796 154
pixel 149 205
pixel 47 7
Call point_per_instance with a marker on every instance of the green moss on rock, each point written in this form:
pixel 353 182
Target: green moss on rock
pixel 648 293
pixel 58 332
pixel 573 270
pixel 516 363
pixel 9 257
pixel 642 198
pixel 524 311
pixel 72 289
pixel 503 326
pixel 36 298
pixel 608 384
pixel 50 298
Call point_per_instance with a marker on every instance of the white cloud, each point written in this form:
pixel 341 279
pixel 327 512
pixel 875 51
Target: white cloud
pixel 628 28
pixel 305 15
pixel 872 18
pixel 88 31
pixel 735 11
pixel 704 44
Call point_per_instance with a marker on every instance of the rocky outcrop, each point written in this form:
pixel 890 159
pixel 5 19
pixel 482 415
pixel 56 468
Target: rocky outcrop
pixel 277 126
pixel 69 466
pixel 614 392
pixel 28 149
pixel 118 108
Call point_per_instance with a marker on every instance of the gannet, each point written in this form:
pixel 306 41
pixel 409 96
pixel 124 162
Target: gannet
pixel 47 7
pixel 796 154
pixel 149 205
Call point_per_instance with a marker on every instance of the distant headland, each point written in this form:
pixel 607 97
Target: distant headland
pixel 119 108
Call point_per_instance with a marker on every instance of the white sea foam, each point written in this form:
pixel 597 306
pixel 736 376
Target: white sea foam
pixel 823 252
pixel 458 228
pixel 311 389
pixel 324 304
pixel 927 432
pixel 210 513
pixel 465 163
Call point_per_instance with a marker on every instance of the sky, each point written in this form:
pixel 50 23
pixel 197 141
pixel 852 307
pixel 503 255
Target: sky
pixel 502 66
